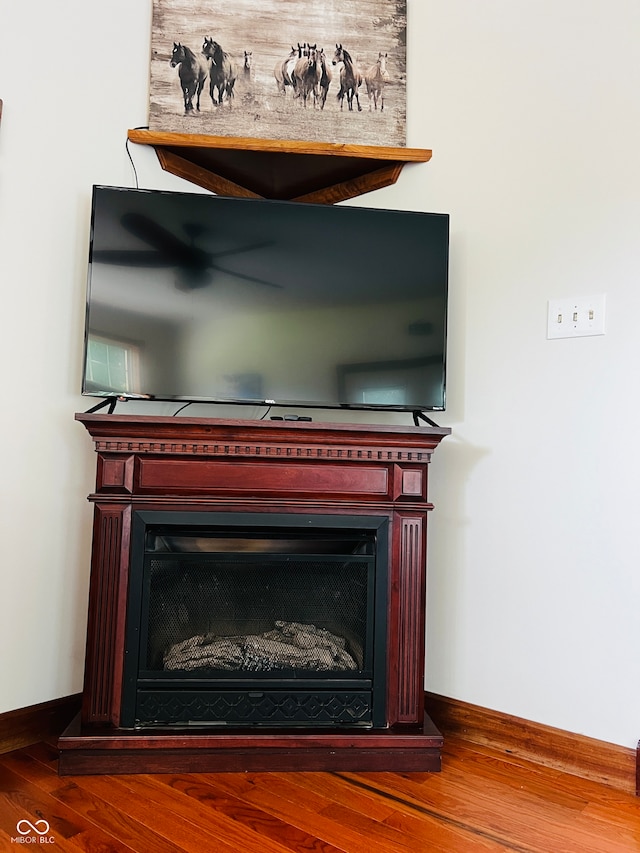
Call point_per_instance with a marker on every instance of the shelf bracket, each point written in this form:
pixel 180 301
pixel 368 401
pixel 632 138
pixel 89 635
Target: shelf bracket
pixel 322 173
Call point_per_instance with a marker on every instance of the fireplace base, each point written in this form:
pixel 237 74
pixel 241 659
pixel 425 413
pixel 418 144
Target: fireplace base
pixel 108 751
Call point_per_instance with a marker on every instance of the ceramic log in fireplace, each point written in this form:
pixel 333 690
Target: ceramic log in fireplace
pixel 257 598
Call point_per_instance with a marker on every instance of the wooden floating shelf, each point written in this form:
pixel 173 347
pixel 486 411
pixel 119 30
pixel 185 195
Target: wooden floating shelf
pixel 320 172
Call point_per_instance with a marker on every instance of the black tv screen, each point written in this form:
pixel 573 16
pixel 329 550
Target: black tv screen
pixel 196 297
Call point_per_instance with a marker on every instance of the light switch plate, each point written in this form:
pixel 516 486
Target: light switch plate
pixel 576 317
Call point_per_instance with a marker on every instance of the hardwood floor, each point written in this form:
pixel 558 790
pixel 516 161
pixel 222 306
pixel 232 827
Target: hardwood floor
pixel 482 801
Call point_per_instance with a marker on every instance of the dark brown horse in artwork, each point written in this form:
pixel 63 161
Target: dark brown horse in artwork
pixel 350 77
pixel 192 71
pixel 306 74
pixel 325 78
pixel 222 73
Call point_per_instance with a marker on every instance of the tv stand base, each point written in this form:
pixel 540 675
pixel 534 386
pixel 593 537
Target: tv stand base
pixel 420 416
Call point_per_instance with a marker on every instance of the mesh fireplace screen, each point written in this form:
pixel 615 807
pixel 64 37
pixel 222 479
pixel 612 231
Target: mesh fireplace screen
pixel 257 613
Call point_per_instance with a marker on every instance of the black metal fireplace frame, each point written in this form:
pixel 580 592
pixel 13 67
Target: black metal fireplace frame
pixel 353 701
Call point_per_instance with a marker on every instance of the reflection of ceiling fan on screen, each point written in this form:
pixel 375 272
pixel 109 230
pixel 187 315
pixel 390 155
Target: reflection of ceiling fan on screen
pixel 194 266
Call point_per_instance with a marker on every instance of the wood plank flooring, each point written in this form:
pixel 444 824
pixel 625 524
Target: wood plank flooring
pixel 482 801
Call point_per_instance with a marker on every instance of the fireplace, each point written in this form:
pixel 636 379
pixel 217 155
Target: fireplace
pixel 248 619
pixel 257 598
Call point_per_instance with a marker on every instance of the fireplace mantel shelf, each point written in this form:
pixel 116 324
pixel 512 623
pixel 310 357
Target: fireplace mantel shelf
pixel 211 436
pixel 319 172
pixel 261 470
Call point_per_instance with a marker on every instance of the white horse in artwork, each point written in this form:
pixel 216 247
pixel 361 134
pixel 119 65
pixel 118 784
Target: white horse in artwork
pixel 375 79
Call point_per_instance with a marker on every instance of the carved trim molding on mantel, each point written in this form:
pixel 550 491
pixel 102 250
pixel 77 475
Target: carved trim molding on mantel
pixel 378 454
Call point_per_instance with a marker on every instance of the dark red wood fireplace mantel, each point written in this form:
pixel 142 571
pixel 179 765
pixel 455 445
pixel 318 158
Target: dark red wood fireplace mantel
pixel 190 467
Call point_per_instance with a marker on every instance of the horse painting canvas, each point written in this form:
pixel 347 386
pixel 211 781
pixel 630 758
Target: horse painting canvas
pixel 281 69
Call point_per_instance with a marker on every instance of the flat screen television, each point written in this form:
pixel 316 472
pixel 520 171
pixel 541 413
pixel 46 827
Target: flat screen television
pixel 204 298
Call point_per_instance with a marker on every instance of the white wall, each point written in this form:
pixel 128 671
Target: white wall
pixel 531 109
